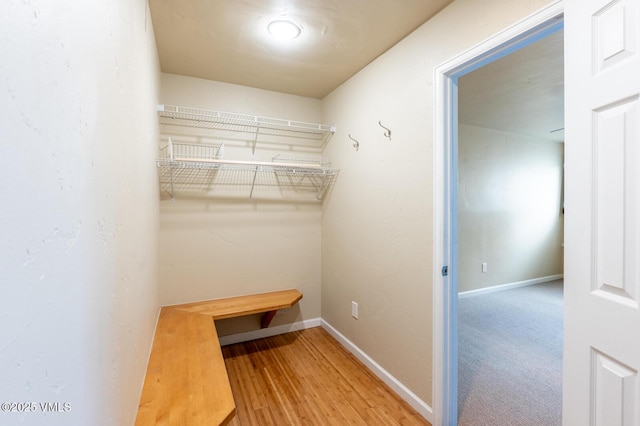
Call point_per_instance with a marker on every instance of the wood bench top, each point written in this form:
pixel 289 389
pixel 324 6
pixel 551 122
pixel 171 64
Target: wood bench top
pixel 243 305
pixel 186 381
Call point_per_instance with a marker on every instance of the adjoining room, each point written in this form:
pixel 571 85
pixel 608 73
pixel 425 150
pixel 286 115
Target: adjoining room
pixel 511 229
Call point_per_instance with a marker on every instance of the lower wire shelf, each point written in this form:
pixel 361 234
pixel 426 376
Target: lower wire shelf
pixel 202 175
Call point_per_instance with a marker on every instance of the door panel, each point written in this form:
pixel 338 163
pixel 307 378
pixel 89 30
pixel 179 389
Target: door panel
pixel 602 204
pixel 614 35
pixel 614 390
pixel 616 218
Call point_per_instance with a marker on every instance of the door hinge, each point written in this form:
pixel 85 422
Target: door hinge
pixel 445 270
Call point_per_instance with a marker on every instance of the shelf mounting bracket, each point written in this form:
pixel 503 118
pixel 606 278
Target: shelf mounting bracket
pixel 266 319
pixel 255 139
pixel 253 183
pixel 323 186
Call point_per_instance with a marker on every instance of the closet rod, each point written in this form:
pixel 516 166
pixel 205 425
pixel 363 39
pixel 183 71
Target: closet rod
pixel 249 163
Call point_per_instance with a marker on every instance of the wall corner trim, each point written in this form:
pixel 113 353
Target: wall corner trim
pixel 411 398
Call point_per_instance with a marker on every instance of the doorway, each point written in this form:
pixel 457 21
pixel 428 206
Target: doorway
pixel 446 258
pixel 510 221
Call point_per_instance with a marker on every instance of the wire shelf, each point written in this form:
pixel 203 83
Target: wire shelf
pixel 302 161
pixel 318 134
pixel 197 167
pixel 192 152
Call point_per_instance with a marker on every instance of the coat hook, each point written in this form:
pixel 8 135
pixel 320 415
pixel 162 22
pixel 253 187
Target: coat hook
pixel 356 145
pixel 388 131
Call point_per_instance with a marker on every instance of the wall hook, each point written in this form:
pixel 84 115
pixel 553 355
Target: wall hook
pixel 388 131
pixel 356 145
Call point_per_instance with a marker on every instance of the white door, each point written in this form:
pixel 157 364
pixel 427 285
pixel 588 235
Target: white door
pixel 602 234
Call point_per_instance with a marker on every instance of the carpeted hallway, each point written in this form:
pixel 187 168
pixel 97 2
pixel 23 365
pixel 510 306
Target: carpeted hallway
pixel 510 357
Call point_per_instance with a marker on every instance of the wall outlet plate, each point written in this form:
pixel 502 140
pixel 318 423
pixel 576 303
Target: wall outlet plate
pixel 354 310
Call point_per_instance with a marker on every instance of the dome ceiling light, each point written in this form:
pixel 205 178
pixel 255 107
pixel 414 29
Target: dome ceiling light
pixel 284 30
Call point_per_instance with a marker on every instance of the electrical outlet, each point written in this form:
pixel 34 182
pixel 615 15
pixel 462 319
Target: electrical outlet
pixel 281 312
pixel 354 310
pixel 484 267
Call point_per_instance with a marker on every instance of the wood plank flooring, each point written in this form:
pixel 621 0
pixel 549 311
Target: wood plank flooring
pixel 307 378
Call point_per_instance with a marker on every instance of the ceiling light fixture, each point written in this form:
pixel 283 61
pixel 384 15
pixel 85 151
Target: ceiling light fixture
pixel 284 30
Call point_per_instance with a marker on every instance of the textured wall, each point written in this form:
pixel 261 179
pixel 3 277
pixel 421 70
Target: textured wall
pixel 509 208
pixel 78 253
pixel 377 239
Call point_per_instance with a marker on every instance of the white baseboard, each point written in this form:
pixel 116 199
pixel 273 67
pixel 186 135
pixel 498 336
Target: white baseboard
pixel 268 332
pixel 412 399
pixel 509 286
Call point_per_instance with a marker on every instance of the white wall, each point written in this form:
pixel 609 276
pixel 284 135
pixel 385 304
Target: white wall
pixel 219 243
pixel 78 253
pixel 510 213
pixel 377 242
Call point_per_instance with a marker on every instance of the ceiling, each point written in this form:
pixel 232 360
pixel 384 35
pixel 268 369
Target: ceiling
pixel 227 40
pixel 522 93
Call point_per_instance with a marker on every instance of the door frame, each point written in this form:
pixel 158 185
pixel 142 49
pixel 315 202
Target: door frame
pixel 445 288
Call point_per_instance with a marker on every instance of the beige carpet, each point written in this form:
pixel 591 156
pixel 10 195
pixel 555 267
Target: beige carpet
pixel 510 357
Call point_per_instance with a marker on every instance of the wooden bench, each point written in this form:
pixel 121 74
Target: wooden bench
pixel 186 381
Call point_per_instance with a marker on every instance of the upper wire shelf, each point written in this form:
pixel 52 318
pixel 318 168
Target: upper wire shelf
pixel 317 134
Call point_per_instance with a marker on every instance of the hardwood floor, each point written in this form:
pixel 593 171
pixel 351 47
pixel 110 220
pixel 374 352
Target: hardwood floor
pixel 307 378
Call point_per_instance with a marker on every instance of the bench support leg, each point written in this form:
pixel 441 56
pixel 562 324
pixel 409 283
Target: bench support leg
pixel 266 318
